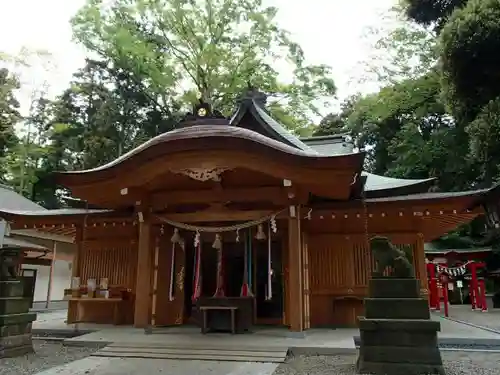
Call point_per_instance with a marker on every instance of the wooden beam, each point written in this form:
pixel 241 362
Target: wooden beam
pixel 37 261
pixel 277 195
pixel 217 216
pixel 111 243
pixel 43 235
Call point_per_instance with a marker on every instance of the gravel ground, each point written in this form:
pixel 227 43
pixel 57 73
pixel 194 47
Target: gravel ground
pixel 47 355
pixel 456 363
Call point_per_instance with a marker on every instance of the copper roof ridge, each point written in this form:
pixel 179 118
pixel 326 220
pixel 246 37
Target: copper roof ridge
pixel 210 131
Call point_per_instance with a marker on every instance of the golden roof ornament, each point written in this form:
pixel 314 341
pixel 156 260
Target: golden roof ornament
pixel 203 114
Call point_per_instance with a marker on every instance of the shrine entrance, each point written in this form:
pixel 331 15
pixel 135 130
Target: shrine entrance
pixel 268 301
pixel 269 309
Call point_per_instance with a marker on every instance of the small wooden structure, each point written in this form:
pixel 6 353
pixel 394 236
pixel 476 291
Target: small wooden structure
pixel 451 257
pixel 241 209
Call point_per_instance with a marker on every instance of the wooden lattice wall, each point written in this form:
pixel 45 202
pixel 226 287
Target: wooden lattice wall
pixel 99 259
pixel 117 264
pixel 339 270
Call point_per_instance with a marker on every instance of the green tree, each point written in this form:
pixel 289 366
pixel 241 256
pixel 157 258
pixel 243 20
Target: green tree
pixel 402 49
pixel 9 115
pixel 407 133
pixel 470 43
pixel 484 134
pixel 331 124
pixel 432 13
pixel 181 47
pixel 102 115
pixel 336 123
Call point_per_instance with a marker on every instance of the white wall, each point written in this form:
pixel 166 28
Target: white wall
pixel 61 280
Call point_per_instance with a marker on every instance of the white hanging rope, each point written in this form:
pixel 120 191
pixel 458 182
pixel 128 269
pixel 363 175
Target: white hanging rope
pixel 172 275
pixel 453 271
pixel 230 228
pixel 269 292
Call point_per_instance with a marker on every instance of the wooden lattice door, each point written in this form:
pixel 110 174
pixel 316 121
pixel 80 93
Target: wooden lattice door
pixel 170 306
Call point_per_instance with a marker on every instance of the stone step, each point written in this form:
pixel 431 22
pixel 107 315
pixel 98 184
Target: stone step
pixel 14 305
pixel 398 368
pixel 15 329
pixel 16 351
pixel 397 338
pixel 398 325
pixel 225 347
pixel 10 319
pixel 394 354
pixel 196 353
pixel 397 308
pixel 13 288
pixel 15 341
pixel 394 288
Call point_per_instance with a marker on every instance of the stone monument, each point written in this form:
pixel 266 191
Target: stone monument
pixel 397 336
pixel 15 318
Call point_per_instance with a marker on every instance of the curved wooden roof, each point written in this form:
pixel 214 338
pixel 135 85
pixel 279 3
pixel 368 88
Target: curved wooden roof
pixel 211 146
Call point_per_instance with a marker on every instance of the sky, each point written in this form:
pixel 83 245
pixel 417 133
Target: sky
pixel 331 32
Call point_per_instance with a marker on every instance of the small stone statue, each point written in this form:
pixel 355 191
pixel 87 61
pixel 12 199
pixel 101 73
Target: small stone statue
pixel 387 255
pixel 9 262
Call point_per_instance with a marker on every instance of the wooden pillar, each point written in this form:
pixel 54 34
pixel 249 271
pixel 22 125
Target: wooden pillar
pixel 144 268
pixel 295 284
pixel 305 274
pixel 154 298
pixel 75 264
pixel 420 266
pixel 51 274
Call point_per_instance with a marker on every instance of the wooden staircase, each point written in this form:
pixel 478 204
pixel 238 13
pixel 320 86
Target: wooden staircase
pixel 210 353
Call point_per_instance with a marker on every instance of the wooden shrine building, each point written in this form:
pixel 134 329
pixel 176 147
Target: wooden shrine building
pixel 226 211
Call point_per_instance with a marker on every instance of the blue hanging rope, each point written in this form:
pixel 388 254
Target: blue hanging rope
pixel 249 240
pixel 194 263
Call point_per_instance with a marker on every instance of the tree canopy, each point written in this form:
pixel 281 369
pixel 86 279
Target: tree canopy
pixel 437 113
pixel 179 48
pixel 431 13
pixel 470 42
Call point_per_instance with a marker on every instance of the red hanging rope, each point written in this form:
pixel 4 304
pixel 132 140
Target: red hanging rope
pixel 245 289
pixel 197 275
pixel 219 291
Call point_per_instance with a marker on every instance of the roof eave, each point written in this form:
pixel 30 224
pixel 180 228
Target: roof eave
pixel 411 188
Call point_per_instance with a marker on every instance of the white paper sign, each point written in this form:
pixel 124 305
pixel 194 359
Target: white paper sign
pixel 451 286
pixel 460 284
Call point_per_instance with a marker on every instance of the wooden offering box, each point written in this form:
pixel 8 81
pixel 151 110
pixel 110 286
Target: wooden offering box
pixel 230 314
pixel 112 306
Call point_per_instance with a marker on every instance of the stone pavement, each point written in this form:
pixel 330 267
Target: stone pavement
pixel 41 307
pixel 316 339
pixel 463 314
pixel 119 366
pixel 320 338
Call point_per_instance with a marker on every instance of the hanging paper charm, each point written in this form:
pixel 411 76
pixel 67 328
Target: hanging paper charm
pixel 196 239
pixel 308 216
pixel 273 224
pixel 260 235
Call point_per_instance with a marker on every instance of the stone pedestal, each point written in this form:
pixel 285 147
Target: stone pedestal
pixel 397 336
pixel 15 319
